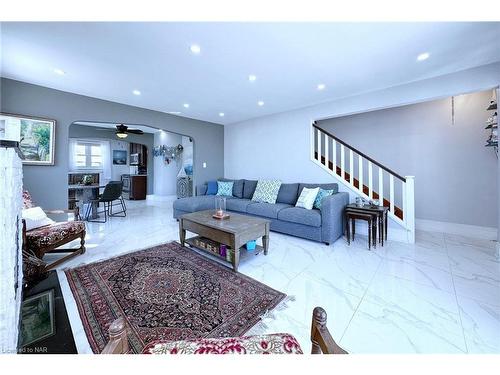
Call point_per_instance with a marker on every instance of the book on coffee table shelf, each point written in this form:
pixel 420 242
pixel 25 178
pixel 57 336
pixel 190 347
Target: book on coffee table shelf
pixel 225 239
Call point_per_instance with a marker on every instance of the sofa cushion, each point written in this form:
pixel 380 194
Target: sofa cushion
pixel 249 188
pixel 238 205
pixel 299 215
pixel 332 186
pixel 288 194
pixel 193 204
pixel 237 186
pixel 266 209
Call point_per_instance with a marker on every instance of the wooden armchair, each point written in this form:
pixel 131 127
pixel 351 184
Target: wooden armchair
pixel 42 240
pixel 322 341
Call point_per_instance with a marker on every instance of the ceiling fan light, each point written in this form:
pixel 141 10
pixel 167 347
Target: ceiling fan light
pixel 121 135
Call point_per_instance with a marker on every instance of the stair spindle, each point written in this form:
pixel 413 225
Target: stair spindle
pixel 380 187
pixel 360 173
pixel 391 193
pixel 370 180
pixel 334 156
pixel 351 167
pixel 342 161
pixel 319 146
pixel 327 156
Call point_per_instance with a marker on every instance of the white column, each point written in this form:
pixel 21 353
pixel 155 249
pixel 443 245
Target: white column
pixel 409 212
pixel 11 180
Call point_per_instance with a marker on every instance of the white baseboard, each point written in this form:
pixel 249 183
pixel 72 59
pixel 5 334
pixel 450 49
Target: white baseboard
pixel 161 198
pixel 474 231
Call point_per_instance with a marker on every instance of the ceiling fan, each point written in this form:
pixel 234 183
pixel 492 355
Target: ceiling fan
pixel 123 130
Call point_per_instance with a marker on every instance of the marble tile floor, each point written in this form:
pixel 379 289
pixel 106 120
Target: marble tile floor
pixel 441 295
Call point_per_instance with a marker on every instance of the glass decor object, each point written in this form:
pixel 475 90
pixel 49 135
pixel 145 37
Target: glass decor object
pixel 220 206
pixel 359 201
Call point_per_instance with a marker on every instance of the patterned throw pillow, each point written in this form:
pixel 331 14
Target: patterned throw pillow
pixel 307 197
pixel 266 191
pixel 321 194
pixel 225 188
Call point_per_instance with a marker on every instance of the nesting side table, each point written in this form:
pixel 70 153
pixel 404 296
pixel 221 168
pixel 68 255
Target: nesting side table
pixel 379 220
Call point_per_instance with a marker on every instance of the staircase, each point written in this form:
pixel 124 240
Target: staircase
pixel 366 177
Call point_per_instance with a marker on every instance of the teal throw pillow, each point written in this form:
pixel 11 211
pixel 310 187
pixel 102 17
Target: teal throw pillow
pixel 225 188
pixel 321 194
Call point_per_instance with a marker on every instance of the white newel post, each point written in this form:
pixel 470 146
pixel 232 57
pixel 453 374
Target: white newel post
pixel 11 175
pixel 409 212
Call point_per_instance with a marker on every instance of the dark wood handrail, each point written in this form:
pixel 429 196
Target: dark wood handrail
pixel 361 154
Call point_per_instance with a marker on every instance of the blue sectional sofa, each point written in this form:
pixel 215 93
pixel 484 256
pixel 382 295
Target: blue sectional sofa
pixel 324 225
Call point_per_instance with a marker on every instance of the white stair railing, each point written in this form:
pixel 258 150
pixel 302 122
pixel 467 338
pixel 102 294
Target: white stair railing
pixel 401 199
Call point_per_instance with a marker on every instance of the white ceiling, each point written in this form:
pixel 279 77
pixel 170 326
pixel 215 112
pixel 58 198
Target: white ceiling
pixel 109 60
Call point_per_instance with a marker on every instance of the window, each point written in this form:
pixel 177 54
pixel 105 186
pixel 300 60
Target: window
pixel 88 155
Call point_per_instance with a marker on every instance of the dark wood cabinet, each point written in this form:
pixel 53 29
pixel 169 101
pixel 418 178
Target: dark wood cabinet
pixel 134 186
pixel 142 151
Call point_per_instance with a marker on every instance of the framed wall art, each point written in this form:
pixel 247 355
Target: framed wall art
pixel 36 137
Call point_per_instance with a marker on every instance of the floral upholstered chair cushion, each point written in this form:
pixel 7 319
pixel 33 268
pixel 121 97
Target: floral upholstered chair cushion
pixel 27 200
pixel 278 343
pixel 50 235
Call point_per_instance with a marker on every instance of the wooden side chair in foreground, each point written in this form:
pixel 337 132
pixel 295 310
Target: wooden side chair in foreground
pixel 279 343
pixel 48 238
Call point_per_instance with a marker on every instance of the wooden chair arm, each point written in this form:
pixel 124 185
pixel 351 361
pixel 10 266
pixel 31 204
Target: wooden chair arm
pixel 118 342
pixel 322 340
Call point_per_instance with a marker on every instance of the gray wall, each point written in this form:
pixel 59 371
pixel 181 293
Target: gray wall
pixel 278 146
pixel 166 174
pixel 455 175
pixel 147 139
pixel 48 184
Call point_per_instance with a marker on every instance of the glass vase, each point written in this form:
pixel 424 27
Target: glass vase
pixel 220 206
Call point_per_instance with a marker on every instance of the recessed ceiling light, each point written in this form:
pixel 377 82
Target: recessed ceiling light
pixel 260 103
pixel 196 49
pixel 136 92
pixel 321 86
pixel 252 77
pixel 175 112
pixel 59 71
pixel 221 114
pixel 423 56
pixel 186 105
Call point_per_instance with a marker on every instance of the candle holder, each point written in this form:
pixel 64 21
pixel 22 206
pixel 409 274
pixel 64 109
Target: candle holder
pixel 220 208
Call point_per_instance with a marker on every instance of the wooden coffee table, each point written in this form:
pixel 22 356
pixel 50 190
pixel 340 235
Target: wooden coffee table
pixel 234 232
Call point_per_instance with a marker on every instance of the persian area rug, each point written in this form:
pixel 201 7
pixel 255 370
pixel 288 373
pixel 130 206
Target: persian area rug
pixel 167 292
